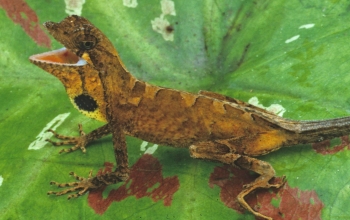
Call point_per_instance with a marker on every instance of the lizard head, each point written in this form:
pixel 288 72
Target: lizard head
pixel 76 33
pixel 83 39
pixel 72 65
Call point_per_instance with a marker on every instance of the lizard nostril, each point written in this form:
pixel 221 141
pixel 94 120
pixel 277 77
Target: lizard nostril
pixel 49 24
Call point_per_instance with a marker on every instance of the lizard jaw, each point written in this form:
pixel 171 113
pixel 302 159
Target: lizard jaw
pixel 61 56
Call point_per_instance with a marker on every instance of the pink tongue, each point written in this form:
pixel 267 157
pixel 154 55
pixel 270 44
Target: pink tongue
pixel 63 56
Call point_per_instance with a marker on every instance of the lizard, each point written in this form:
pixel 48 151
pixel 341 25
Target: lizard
pixel 212 126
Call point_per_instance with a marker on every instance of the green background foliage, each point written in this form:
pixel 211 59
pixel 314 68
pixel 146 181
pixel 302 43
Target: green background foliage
pixel 233 47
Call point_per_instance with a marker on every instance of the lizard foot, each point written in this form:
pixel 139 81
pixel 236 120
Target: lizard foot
pixel 79 142
pixel 81 187
pixel 85 184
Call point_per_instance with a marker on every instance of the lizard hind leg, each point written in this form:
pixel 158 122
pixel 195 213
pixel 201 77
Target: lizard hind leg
pixel 266 172
pixel 218 152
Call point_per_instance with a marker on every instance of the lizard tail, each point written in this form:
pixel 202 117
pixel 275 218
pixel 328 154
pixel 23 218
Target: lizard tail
pixel 316 131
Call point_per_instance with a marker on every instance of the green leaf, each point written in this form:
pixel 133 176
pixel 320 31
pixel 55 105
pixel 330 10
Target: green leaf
pixel 243 49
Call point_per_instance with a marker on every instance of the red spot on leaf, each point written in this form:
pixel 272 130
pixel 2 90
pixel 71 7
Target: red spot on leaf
pixel 230 186
pixel 20 13
pixel 324 147
pixel 293 202
pixel 145 179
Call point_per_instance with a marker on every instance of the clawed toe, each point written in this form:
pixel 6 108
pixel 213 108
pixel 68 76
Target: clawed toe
pixel 79 142
pixel 82 186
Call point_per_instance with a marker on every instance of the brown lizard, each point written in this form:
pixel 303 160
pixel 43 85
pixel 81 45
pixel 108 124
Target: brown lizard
pixel 212 126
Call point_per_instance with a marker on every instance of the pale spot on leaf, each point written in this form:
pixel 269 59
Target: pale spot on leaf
pixel 74 7
pixel 149 150
pixel 40 140
pixel 143 146
pixel 292 39
pixel 161 24
pixel 130 3
pixel 274 108
pixel 307 26
pixel 152 149
pixel 168 7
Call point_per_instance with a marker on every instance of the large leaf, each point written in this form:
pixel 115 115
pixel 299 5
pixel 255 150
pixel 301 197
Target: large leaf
pixel 238 48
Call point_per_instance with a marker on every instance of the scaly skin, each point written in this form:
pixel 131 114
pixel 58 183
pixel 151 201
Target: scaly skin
pixel 212 126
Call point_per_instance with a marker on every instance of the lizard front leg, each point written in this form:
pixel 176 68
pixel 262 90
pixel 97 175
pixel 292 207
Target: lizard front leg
pixel 79 142
pixel 85 184
pixel 219 152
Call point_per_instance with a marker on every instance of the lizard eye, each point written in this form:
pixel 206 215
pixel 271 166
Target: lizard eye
pixel 86 42
pixel 86 45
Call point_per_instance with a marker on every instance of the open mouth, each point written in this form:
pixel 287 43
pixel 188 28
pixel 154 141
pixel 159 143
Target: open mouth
pixel 61 57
